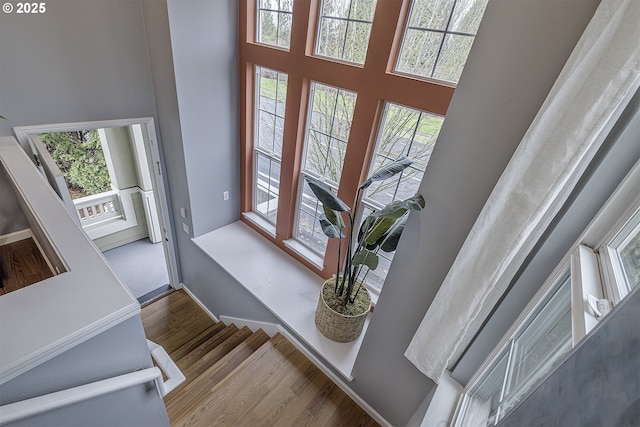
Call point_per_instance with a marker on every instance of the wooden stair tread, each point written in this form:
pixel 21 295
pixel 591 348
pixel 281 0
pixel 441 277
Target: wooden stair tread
pixel 197 341
pixel 238 378
pixel 193 392
pixel 276 386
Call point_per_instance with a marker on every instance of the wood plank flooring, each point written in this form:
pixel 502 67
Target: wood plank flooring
pixel 239 378
pixel 21 265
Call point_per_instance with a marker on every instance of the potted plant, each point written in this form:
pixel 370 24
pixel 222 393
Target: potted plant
pixel 344 301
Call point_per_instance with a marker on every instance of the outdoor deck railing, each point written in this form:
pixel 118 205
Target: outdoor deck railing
pixel 98 208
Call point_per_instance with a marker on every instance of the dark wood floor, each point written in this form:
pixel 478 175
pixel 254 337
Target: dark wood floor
pixel 236 377
pixel 21 265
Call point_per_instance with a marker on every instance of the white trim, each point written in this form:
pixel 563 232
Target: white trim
pixel 156 163
pixel 260 222
pixel 59 399
pixel 269 328
pixel 200 304
pixel 16 236
pixel 305 252
pixel 41 355
pixel 585 281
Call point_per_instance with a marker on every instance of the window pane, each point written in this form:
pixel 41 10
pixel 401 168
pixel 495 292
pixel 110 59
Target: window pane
pixel 625 248
pixel 541 344
pixel 328 131
pixel 438 37
pixel 452 57
pixel 267 186
pixel 630 256
pixel 419 52
pixel 489 390
pixel 534 350
pixel 344 29
pixel 271 92
pixel 274 22
pixel 309 230
pixel 328 127
pixel 404 132
pixel 432 14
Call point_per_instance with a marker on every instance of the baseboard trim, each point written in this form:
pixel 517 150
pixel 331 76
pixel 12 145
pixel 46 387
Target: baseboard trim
pixel 16 236
pixel 269 328
pixel 197 301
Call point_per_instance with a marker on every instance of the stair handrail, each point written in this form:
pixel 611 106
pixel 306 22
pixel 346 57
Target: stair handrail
pixel 174 375
pixel 36 405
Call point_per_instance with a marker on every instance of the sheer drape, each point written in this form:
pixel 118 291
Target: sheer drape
pixel 599 79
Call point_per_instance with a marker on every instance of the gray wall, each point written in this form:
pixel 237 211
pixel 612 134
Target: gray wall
pixel 79 61
pixel 118 351
pixel 11 217
pixel 204 42
pixel 598 384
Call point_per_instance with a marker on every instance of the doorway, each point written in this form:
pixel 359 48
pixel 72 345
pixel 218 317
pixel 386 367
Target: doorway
pixel 126 216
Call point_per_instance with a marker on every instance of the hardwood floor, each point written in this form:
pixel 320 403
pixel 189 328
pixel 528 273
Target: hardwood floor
pixel 238 378
pixel 21 265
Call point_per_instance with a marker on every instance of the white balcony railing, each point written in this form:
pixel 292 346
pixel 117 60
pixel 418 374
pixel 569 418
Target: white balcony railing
pixel 98 208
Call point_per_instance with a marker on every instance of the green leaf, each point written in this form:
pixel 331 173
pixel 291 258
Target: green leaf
pixel 326 196
pixel 3 117
pixel 366 257
pixel 390 241
pixel 333 217
pixel 379 230
pixel 399 207
pixel 329 229
pixel 387 172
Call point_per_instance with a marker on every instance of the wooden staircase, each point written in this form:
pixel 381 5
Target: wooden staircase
pixel 236 377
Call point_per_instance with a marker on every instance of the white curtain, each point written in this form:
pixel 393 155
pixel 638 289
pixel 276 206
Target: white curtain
pixel 597 82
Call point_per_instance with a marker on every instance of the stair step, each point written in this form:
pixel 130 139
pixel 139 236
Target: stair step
pixel 170 325
pixel 190 396
pixel 197 341
pixel 202 363
pixel 191 363
pixel 248 382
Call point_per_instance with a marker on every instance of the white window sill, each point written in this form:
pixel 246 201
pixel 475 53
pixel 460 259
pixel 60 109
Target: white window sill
pixel 284 286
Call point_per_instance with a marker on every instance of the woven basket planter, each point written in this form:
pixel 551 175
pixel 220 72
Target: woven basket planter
pixel 336 326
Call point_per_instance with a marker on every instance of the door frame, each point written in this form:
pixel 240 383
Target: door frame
pixel 156 165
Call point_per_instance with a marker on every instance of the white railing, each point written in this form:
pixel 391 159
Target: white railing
pixel 48 402
pixel 98 208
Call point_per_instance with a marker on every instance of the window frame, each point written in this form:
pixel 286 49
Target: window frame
pixel 373 82
pixel 590 275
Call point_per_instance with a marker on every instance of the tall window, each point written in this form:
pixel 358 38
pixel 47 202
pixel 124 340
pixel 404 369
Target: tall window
pixel 328 126
pixel 271 95
pixel 321 116
pixel 404 132
pixel 438 37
